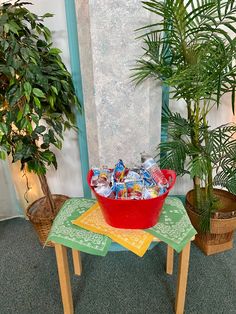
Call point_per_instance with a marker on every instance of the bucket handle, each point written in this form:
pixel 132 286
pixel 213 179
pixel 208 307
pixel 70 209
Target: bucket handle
pixel 170 176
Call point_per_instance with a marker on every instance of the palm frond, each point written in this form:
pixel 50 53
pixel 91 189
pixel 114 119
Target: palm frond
pixel 199 166
pixel 222 142
pixel 226 179
pixel 199 63
pixel 177 125
pixel 173 156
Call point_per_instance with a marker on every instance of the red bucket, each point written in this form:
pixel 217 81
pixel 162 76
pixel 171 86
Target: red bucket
pixel 133 214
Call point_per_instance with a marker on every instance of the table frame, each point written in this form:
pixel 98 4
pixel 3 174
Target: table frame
pixel 65 283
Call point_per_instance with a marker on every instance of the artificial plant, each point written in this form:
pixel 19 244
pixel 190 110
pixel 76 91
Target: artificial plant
pixel 37 97
pixel 192 49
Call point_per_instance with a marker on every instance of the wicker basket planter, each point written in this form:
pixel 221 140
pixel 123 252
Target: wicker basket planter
pixel 223 223
pixel 41 218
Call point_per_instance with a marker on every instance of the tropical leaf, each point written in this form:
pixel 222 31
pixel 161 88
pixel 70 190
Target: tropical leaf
pixel 199 167
pixel 173 156
pixel 200 48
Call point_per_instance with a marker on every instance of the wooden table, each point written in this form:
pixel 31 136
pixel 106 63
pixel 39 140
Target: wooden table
pixel 65 284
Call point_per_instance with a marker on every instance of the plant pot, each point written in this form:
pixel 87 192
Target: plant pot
pixel 222 224
pixel 39 215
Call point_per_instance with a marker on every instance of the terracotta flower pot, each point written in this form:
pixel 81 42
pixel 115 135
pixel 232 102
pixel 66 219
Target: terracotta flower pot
pixel 222 224
pixel 40 216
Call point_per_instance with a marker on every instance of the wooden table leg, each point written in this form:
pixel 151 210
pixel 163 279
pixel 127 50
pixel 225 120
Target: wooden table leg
pixel 169 260
pixel 77 262
pixel 64 278
pixel 182 279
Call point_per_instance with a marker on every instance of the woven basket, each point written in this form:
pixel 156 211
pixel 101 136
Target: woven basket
pixel 222 224
pixel 42 224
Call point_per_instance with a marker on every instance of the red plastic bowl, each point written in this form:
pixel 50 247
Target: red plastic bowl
pixel 133 214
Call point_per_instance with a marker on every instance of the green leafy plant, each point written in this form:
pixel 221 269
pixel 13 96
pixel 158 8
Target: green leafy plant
pixel 190 49
pixel 37 97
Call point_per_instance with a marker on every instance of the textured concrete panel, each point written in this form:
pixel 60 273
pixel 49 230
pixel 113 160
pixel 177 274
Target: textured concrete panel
pixel 123 120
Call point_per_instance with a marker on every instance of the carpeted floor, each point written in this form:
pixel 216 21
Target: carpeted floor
pixel 120 283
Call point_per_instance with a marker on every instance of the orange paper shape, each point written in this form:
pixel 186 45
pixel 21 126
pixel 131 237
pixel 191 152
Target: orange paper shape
pixel 135 240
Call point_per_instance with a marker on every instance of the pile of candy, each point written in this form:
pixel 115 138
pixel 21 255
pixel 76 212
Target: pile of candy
pixel 134 184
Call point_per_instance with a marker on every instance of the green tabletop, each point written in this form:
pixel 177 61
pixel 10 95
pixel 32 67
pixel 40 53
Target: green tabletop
pixel 174 227
pixel 64 232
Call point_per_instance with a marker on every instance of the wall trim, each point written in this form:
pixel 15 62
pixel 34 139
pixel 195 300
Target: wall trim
pixel 77 80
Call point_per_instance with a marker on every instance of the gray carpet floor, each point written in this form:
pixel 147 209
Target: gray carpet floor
pixel 120 283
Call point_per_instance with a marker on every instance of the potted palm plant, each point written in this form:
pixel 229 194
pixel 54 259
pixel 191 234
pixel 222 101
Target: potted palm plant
pixel 190 49
pixel 37 102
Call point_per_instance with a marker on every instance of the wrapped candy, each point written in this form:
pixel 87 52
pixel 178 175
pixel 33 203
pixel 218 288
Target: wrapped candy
pixel 119 171
pixel 121 191
pixel 134 184
pixel 106 191
pixel 134 189
pixel 148 180
pixel 96 173
pixel 132 175
pixel 149 193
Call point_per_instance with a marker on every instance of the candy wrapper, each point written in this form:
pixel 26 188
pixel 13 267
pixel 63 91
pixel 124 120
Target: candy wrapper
pixel 106 191
pixel 96 173
pixel 134 184
pixel 148 180
pixel 121 190
pixel 134 189
pixel 101 177
pixel 150 193
pixel 119 171
pixel 132 175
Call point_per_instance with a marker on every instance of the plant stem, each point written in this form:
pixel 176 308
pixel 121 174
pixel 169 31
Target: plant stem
pixel 47 192
pixel 209 180
pixel 197 189
pixel 189 109
pixel 195 141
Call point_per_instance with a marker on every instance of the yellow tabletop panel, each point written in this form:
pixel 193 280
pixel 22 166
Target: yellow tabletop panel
pixel 134 240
